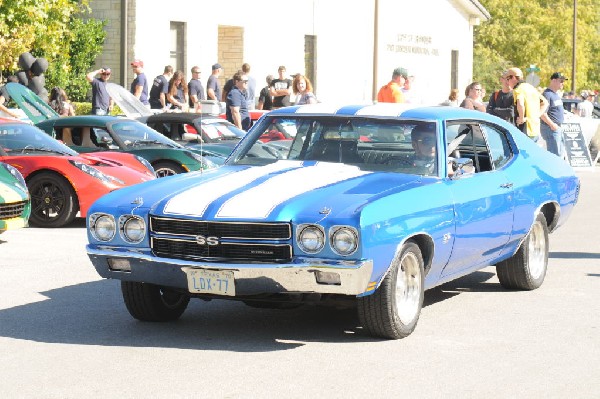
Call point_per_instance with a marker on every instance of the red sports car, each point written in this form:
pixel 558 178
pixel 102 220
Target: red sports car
pixel 62 182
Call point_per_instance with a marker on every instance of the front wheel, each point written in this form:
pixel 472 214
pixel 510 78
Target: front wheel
pixel 164 169
pixel 53 200
pixel 393 310
pixel 149 302
pixel 526 269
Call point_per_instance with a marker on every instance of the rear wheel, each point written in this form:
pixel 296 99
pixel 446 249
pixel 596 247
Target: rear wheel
pixel 526 269
pixel 163 169
pixel 393 310
pixel 149 302
pixel 53 200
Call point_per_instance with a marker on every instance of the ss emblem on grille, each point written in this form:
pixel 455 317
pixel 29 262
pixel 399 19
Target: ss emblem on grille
pixel 202 240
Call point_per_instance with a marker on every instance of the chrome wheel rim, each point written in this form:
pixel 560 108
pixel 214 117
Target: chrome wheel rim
pixel 164 172
pixel 537 251
pixel 408 288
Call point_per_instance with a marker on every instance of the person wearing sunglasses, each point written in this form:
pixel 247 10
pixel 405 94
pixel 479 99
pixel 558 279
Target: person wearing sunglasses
pixel 474 97
pixel 423 140
pixel 102 103
pixel 237 104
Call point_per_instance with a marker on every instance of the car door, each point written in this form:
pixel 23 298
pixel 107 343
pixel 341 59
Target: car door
pixel 484 205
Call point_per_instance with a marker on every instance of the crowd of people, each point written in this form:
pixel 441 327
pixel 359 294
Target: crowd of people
pixel 169 91
pixel 536 113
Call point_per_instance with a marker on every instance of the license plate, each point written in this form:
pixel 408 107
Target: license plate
pixel 218 282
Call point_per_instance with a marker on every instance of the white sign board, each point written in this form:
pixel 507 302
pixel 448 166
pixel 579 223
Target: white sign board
pixel 578 152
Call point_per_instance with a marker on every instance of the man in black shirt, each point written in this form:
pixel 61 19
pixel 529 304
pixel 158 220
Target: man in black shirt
pixel 281 89
pixel 502 103
pixel 265 101
pixel 160 87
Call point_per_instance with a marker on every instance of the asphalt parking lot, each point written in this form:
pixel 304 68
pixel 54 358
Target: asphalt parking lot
pixel 64 333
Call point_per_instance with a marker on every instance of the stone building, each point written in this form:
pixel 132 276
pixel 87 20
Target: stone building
pixel 348 49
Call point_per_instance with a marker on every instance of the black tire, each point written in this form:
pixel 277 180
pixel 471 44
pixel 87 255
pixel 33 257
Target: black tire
pixel 393 310
pixel 526 269
pixel 164 169
pixel 149 302
pixel 53 200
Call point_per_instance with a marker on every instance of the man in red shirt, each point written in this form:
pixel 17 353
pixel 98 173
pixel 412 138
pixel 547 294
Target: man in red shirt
pixel 392 92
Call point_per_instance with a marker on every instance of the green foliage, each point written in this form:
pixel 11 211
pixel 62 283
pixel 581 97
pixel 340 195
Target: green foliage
pixel 69 72
pixel 34 24
pixel 85 108
pixel 538 32
pixel 55 30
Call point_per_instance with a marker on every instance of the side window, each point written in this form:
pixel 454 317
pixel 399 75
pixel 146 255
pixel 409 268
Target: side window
pixel 465 140
pixel 498 145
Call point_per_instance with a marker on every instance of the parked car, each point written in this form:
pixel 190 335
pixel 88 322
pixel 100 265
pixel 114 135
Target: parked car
pixel 189 126
pixel 372 204
pixel 15 205
pixel 61 182
pixel 91 133
pixel 570 104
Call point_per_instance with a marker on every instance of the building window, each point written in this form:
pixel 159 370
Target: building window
pixel 177 53
pixel 454 70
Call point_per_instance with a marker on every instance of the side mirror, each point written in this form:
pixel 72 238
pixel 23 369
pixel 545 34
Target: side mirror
pixel 462 167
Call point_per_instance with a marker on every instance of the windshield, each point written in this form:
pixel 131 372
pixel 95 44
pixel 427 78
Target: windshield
pixel 26 139
pixel 134 134
pixel 371 144
pixel 221 130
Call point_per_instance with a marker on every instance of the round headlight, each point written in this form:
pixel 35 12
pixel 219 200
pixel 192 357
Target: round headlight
pixel 344 241
pixel 134 229
pixel 311 239
pixel 103 227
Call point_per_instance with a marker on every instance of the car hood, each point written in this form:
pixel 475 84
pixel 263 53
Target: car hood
pixel 129 104
pixel 34 107
pixel 282 191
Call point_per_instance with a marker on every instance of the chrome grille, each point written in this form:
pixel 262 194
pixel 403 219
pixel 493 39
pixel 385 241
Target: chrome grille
pixel 12 210
pixel 262 242
pixel 239 230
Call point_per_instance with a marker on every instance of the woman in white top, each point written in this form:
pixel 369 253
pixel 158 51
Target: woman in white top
pixel 303 90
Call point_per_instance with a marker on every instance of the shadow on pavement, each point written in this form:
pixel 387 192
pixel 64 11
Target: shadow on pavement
pixel 94 314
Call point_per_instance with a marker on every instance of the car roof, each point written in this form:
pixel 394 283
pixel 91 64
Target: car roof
pixel 385 110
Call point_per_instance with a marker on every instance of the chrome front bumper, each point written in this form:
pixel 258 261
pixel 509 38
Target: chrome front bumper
pixel 300 276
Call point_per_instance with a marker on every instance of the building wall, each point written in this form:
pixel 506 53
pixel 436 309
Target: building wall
pixel 419 36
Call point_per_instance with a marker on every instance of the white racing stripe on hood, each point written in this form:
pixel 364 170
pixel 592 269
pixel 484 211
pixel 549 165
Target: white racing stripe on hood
pixel 195 200
pixel 259 201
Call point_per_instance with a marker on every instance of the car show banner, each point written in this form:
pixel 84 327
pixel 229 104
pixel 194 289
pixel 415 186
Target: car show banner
pixel 578 153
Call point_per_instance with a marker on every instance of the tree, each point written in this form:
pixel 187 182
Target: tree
pixel 55 30
pixel 538 32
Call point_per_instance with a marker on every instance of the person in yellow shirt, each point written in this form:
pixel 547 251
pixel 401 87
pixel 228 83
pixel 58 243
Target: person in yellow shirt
pixel 531 104
pixel 392 92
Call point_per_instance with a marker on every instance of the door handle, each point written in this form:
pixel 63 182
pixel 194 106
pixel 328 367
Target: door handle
pixel 506 185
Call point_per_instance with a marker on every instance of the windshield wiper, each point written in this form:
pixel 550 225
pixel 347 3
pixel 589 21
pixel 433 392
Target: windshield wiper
pixel 35 149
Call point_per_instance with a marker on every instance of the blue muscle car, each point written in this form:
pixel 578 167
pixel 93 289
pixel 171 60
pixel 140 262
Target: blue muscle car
pixel 372 204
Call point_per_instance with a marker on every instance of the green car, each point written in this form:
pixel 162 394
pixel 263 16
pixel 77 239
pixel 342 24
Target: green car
pixel 91 133
pixel 15 205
